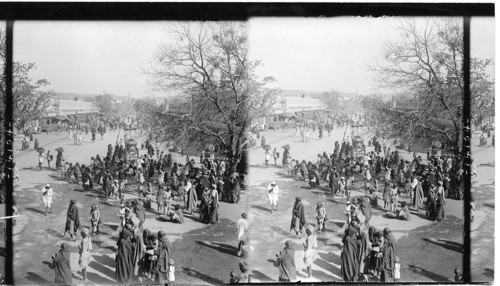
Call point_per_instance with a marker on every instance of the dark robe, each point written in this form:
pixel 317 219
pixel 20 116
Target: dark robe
pixel 78 173
pixel 388 260
pixel 72 215
pixel 298 211
pixel 162 264
pixel 62 266
pixel 286 262
pixel 124 261
pixel 58 159
pixel 364 252
pixel 349 267
pixel 139 251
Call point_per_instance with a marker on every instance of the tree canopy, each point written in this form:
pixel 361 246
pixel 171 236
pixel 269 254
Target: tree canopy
pixel 425 68
pixel 29 97
pixel 207 74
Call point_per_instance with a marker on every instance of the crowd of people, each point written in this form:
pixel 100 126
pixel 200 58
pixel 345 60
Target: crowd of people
pixel 153 178
pixel 385 175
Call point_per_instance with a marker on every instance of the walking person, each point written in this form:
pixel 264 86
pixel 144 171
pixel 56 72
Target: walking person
pixel 242 227
pixel 61 264
pixel 72 219
pixel 41 158
pixel 273 190
pixel 298 217
pixel 124 258
pixel 349 267
pixel 309 249
pixel 84 249
pixel 47 194
pixel 286 263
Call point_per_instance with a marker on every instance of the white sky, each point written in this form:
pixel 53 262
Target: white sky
pixel 315 54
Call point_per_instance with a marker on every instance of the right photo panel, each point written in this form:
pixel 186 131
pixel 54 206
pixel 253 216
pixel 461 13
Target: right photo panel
pixel 355 154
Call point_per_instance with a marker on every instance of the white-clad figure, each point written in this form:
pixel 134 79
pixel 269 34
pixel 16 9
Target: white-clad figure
pixel 273 196
pixel 47 193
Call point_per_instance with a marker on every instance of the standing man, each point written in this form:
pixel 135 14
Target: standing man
pixel 242 233
pixel 72 219
pixel 298 217
pixel 47 193
pixel 273 196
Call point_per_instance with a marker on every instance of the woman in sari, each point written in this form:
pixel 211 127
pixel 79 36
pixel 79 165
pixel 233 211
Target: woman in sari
pixel 418 198
pixel 389 253
pixel 431 204
pixel 124 258
pixel 349 267
pixel 286 263
pixel 62 266
pixel 364 251
pixel 139 251
pixel 440 200
pixel 192 198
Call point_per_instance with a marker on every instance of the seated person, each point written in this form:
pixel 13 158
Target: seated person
pixel 403 214
pixel 177 216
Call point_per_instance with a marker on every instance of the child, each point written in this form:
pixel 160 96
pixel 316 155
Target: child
pixel 321 216
pixel 171 272
pixel 376 255
pixel 397 268
pixel 95 219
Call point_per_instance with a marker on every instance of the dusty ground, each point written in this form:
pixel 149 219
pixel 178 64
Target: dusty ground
pixel 270 230
pixel 37 237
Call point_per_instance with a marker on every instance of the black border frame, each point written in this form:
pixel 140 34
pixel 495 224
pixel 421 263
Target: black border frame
pixel 214 11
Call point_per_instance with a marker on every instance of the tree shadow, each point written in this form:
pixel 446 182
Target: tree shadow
pixel 488 272
pixel 193 217
pixel 56 233
pixel 262 277
pixel 57 178
pixel 34 210
pixel 99 280
pixel 104 270
pixel 279 230
pixel 105 260
pixel 37 279
pixel 112 226
pixel 198 275
pixel 447 244
pixel 330 256
pixel 322 276
pixel 32 168
pixel 261 208
pixel 102 245
pixel 431 275
pixel 224 248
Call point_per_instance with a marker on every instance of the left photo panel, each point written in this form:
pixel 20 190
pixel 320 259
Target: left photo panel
pixel 130 151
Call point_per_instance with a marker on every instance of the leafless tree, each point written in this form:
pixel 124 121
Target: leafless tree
pixel 207 68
